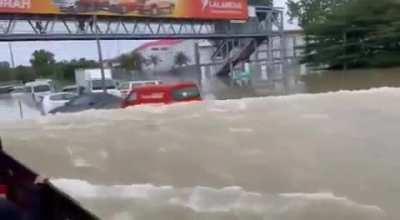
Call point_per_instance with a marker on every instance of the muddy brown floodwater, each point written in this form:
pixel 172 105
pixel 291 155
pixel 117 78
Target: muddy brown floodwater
pixel 327 156
pixel 328 81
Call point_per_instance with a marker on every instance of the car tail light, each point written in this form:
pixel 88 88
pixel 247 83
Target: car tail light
pixel 132 97
pixel 3 191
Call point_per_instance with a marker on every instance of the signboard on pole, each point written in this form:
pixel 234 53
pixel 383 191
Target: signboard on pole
pixel 185 9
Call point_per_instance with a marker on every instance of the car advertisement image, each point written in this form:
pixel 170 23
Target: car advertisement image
pixel 195 9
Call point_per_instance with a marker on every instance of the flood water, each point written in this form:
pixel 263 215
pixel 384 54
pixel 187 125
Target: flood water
pixel 298 157
pixel 214 88
pixel 17 107
pixel 329 81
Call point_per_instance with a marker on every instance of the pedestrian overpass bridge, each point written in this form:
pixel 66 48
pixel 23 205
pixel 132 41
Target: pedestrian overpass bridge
pixel 234 41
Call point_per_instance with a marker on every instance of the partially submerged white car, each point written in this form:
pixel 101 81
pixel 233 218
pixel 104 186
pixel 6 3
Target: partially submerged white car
pixel 38 89
pixel 56 100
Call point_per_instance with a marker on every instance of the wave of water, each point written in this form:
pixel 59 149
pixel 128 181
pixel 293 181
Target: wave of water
pixel 312 157
pixel 231 201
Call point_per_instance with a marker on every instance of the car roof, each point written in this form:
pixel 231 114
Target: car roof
pixel 98 96
pixel 19 87
pixel 71 87
pixel 37 83
pixel 59 93
pixel 164 87
pixel 145 81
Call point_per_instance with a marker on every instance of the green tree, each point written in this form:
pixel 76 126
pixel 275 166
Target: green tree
pixel 43 62
pixel 66 69
pixel 361 33
pixel 24 74
pixel 181 59
pixel 5 72
pixel 309 12
pixel 155 60
pixel 132 61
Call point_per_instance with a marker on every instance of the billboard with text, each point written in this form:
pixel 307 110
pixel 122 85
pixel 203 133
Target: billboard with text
pixel 186 9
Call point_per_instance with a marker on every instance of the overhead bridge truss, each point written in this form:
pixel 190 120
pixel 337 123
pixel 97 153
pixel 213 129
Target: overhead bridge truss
pixel 269 22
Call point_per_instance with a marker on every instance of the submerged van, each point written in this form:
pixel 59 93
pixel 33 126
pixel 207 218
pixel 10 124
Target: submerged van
pixel 38 89
pixel 162 94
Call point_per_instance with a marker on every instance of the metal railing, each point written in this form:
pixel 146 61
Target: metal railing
pixel 51 27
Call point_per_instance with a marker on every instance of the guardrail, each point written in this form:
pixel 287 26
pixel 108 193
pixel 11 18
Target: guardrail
pixel 11 83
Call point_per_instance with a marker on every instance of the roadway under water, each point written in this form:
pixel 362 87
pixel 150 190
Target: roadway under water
pixel 300 157
pixel 10 108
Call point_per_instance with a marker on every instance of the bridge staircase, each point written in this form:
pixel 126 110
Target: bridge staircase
pixel 237 52
pixel 229 53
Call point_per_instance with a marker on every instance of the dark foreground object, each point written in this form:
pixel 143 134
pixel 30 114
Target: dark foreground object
pixel 28 199
pixel 9 210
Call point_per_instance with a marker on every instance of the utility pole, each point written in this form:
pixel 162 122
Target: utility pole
pixel 344 49
pixel 197 59
pixel 100 54
pixel 11 55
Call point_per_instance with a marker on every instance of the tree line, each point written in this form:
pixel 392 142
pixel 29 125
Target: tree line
pixel 44 65
pixel 343 34
pixel 135 60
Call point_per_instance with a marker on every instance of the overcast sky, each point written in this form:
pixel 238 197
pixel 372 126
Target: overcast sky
pixel 67 50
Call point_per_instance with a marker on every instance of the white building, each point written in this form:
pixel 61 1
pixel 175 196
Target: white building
pixel 165 51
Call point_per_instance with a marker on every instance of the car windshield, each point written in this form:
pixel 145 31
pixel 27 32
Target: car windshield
pixel 150 83
pixel 62 97
pixel 83 100
pixel 41 88
pixel 70 89
pixel 19 90
pixel 98 85
pixel 124 86
pixel 186 94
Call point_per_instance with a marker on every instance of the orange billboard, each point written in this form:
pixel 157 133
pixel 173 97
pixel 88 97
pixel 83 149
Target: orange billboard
pixel 187 9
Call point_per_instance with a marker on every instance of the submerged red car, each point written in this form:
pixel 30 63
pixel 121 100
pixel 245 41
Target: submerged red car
pixel 164 94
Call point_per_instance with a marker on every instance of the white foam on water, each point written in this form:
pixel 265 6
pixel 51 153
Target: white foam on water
pixel 80 162
pixel 218 106
pixel 123 216
pixel 315 116
pixel 196 155
pixel 233 199
pixel 330 196
pixel 241 130
pixel 83 189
